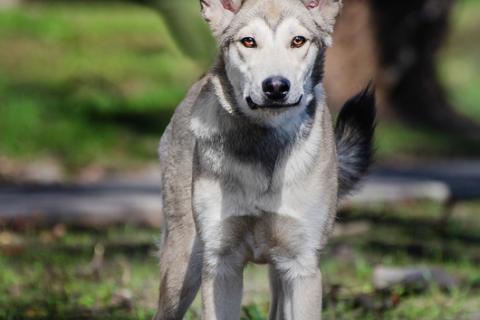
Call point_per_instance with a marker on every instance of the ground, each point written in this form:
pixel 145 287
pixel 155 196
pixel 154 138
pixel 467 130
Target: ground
pixel 113 274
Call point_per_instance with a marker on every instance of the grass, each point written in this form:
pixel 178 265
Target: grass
pixel 113 274
pixel 87 83
pixel 460 65
pixel 97 82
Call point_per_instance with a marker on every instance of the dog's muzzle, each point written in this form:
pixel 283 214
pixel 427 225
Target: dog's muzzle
pixel 255 106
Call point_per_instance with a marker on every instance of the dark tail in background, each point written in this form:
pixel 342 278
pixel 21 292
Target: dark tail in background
pixel 354 138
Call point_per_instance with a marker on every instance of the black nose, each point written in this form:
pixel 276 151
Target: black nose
pixel 276 88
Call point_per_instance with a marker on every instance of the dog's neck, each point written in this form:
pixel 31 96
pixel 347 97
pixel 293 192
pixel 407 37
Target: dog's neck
pixel 220 123
pixel 219 126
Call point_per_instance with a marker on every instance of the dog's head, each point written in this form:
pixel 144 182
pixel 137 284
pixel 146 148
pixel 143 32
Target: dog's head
pixel 271 50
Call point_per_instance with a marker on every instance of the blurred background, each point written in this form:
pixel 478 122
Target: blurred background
pixel 87 88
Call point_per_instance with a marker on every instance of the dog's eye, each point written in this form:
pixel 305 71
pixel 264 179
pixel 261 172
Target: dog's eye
pixel 249 42
pixel 298 42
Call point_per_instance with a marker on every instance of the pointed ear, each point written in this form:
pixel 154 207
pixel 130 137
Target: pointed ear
pixel 219 13
pixel 325 13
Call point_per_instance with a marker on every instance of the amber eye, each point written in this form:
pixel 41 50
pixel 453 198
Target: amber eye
pixel 298 42
pixel 249 42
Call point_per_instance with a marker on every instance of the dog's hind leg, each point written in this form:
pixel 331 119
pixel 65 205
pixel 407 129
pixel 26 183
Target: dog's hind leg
pixel 181 269
pixel 181 257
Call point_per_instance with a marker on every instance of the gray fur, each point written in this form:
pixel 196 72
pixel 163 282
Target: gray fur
pixel 244 186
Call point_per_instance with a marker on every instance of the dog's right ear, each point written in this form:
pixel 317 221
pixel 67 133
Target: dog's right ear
pixel 219 13
pixel 325 13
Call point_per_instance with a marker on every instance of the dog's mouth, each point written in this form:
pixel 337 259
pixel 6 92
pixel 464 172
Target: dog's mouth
pixel 255 106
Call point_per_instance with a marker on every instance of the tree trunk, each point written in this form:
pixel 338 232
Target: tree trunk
pixel 6 4
pixel 395 43
pixel 351 63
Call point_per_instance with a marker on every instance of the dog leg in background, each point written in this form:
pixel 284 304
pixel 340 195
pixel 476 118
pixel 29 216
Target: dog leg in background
pixel 180 272
pixel 181 253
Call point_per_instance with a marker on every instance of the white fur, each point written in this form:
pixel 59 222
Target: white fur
pixel 267 60
pixel 294 191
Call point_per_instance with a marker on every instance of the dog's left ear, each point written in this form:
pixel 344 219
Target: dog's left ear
pixel 325 13
pixel 219 13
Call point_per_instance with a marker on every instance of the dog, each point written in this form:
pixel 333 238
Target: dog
pixel 252 168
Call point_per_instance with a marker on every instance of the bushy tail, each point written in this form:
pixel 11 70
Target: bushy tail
pixel 354 138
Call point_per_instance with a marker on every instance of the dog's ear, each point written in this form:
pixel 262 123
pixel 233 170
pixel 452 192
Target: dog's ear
pixel 219 13
pixel 325 13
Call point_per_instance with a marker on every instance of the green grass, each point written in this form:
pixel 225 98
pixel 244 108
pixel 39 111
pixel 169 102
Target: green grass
pixel 97 82
pixel 460 67
pixel 52 277
pixel 52 273
pixel 87 83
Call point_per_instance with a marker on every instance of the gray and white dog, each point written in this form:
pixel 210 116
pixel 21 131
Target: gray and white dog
pixel 252 168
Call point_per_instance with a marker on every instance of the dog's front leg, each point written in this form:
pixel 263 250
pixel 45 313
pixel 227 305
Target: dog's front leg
pixel 304 297
pixel 222 285
pixel 277 296
pixel 300 296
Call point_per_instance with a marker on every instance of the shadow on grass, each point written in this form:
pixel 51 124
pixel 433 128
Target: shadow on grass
pixel 422 227
pixel 56 307
pixel 418 237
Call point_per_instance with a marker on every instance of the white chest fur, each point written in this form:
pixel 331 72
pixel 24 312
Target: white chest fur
pixel 302 185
